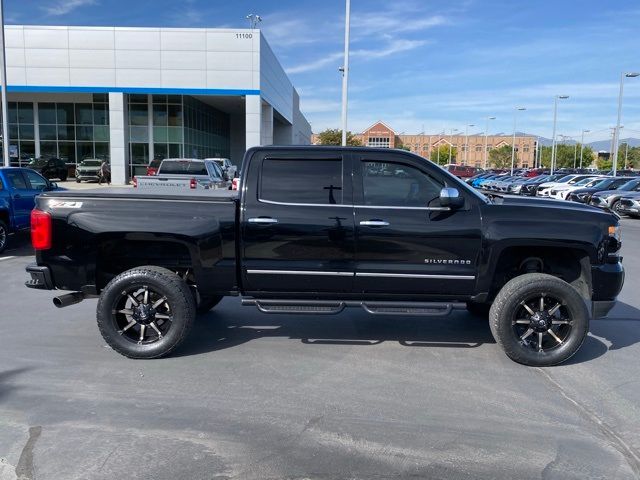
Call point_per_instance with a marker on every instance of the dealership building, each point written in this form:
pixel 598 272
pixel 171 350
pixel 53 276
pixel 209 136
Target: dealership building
pixel 133 94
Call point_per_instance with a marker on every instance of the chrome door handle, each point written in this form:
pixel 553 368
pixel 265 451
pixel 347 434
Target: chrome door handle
pixel 263 220
pixel 374 223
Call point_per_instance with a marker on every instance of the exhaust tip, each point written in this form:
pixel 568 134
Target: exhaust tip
pixel 68 299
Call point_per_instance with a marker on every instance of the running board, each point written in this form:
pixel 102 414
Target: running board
pixel 332 307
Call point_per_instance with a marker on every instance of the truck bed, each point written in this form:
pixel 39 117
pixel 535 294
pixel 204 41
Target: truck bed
pixel 192 232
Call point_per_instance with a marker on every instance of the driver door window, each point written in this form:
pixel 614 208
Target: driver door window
pixel 397 185
pixel 37 182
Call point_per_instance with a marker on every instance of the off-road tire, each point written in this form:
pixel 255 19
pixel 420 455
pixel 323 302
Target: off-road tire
pixel 162 281
pixel 509 300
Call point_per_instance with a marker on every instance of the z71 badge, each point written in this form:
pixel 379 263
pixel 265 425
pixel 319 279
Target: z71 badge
pixel 61 204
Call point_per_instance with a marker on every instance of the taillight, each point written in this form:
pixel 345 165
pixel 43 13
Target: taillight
pixel 135 182
pixel 193 183
pixel 40 230
pixel 235 184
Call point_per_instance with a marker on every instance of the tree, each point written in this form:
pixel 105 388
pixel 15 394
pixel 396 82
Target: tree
pixel 440 155
pixel 500 157
pixel 604 163
pixel 567 156
pixel 632 156
pixel 333 136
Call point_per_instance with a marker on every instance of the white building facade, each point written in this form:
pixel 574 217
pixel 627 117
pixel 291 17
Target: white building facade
pixel 134 94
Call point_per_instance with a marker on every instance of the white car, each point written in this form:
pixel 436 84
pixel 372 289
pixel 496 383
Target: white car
pixel 561 192
pixel 545 189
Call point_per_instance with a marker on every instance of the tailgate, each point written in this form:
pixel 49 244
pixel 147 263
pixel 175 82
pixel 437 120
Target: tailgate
pixel 163 182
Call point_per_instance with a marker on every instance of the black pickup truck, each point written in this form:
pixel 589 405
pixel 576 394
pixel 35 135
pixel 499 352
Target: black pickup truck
pixel 314 230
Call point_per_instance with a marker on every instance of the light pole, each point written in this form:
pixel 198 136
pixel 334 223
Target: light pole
pixel 617 131
pixel 3 92
pixel 451 142
pixel 486 134
pixel 345 71
pixel 466 142
pixel 555 122
pixel 513 143
pixel 582 146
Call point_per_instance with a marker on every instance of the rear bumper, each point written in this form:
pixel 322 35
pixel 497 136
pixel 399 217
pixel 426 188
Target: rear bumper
pixel 40 277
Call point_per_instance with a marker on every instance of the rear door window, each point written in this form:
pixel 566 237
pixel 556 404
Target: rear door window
pixel 308 181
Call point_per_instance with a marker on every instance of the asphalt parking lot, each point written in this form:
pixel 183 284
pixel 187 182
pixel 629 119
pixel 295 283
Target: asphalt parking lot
pixel 253 396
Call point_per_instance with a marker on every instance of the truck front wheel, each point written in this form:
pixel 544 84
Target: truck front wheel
pixel 539 320
pixel 145 312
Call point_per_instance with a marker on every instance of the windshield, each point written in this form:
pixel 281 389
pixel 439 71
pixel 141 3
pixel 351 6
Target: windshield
pixel 585 181
pixel 630 185
pixel 38 162
pixel 564 179
pixel 183 167
pixel 602 183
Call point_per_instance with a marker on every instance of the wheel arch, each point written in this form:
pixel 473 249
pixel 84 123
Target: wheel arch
pixel 569 263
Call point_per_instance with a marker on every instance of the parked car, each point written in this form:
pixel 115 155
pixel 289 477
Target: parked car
pixel 18 189
pixel 629 205
pixel 50 168
pixel 461 171
pixel 529 189
pixel 184 173
pixel 293 241
pixel 560 192
pixel 583 195
pixel 152 168
pixel 88 169
pixel 226 166
pixel 544 190
pixel 611 198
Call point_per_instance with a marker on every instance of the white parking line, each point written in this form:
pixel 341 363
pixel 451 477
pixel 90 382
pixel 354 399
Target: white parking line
pixel 6 258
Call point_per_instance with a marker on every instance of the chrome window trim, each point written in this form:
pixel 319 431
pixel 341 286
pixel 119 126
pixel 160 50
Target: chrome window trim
pixel 435 209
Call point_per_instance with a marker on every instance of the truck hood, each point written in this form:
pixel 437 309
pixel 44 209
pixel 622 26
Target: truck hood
pixel 546 203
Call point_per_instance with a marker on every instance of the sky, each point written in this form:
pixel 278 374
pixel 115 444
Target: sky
pixel 421 65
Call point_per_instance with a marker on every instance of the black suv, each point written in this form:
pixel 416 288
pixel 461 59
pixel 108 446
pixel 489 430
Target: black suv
pixel 50 168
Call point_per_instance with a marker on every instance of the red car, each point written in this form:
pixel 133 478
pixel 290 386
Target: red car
pixel 152 168
pixel 462 171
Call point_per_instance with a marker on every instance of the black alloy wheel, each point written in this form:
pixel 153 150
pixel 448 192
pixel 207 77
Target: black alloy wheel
pixel 539 320
pixel 145 312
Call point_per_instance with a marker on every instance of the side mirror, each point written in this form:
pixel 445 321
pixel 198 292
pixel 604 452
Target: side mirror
pixel 52 186
pixel 450 197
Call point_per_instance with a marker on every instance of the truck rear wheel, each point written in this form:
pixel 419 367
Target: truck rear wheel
pixel 539 320
pixel 145 312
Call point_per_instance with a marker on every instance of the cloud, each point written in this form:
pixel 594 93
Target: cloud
pixel 316 64
pixel 395 22
pixel 393 47
pixel 62 7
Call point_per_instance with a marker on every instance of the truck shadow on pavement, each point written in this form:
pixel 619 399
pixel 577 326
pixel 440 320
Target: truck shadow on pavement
pixel 19 245
pixel 218 330
pixel 222 329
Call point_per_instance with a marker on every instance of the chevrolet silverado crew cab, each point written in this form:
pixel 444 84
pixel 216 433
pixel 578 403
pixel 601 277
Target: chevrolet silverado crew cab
pixel 315 230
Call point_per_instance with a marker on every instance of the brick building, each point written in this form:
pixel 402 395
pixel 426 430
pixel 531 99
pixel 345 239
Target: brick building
pixel 469 152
